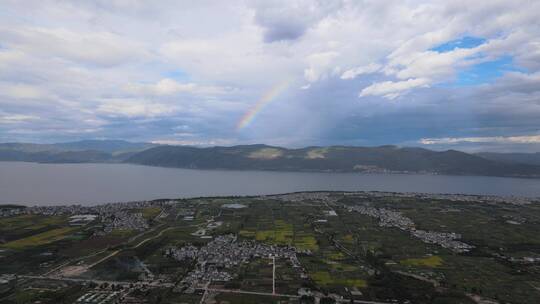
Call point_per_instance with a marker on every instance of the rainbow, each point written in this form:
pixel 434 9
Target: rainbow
pixel 267 97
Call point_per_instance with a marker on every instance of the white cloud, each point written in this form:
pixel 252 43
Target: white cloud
pixel 201 143
pixel 355 72
pixel 96 47
pixel 169 86
pixel 16 118
pixel 320 64
pixel 22 91
pixel 522 139
pixel 133 108
pixel 392 89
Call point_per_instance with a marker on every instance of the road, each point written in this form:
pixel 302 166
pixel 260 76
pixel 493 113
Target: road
pixel 153 237
pixel 136 246
pixel 274 275
pixel 78 280
pixel 103 259
pixel 253 293
pixel 205 293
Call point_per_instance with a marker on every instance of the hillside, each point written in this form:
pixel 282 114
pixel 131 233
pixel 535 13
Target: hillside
pixel 334 159
pixel 521 158
pixel 383 159
pixel 72 152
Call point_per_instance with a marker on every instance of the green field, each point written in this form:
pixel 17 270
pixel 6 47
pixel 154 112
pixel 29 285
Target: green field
pixel 40 239
pixel 431 261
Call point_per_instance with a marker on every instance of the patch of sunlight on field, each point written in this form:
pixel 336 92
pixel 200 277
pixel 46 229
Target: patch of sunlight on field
pixel 151 212
pixel 317 153
pixel 324 278
pixel 31 222
pixel 431 261
pixel 40 239
pixel 247 233
pixel 348 238
pixel 282 234
pixel 306 242
pixel 336 256
pixel 343 267
pixel 123 233
pixel 358 283
pixel 266 153
pixel 264 235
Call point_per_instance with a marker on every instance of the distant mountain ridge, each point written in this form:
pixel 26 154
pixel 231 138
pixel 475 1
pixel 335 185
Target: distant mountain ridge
pixel 522 158
pixel 84 151
pixel 383 159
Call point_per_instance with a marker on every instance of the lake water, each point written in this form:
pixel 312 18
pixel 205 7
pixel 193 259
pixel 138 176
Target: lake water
pixel 46 184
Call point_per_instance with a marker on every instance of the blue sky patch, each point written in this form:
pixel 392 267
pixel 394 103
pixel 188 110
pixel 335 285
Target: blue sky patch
pixel 177 75
pixel 466 42
pixel 485 72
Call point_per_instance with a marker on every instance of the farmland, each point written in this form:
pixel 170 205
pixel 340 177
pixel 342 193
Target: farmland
pixel 294 248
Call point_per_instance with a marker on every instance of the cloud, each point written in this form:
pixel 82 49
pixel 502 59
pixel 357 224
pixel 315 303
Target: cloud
pixel 201 143
pixel 168 86
pixel 16 118
pixel 96 48
pixel 138 71
pixel 22 91
pixel 391 89
pixel 522 139
pixel 289 20
pixel 133 108
pixel 355 72
pixel 319 65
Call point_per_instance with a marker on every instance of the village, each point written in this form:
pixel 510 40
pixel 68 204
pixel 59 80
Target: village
pixel 389 218
pixel 225 252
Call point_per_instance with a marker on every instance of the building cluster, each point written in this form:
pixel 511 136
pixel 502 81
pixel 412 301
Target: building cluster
pixel 111 215
pixel 386 217
pixel 302 196
pixel 448 240
pixel 217 259
pixel 98 297
pixel 328 197
pixel 99 210
pixel 518 260
pixel 81 219
pixel 378 170
pixel 390 218
pixel 6 278
pixel 125 220
pixel 491 199
pixel 5 212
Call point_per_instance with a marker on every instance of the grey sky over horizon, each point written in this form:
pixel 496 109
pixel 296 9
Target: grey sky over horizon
pixel 436 74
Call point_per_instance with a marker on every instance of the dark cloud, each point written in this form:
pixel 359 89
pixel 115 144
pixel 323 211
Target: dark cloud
pixel 284 30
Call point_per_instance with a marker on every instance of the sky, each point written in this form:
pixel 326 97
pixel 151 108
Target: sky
pixel 436 74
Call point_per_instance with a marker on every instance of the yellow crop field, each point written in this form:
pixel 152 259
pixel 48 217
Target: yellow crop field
pixel 431 261
pixel 325 278
pixel 151 212
pixel 40 239
pixel 306 242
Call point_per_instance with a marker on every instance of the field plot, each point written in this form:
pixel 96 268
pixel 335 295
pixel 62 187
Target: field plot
pixel 18 227
pixel 40 239
pixel 255 276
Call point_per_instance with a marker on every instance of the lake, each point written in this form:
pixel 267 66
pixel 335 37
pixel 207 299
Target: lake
pixel 46 184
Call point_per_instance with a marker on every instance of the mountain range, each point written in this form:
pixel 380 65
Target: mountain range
pixel 383 159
